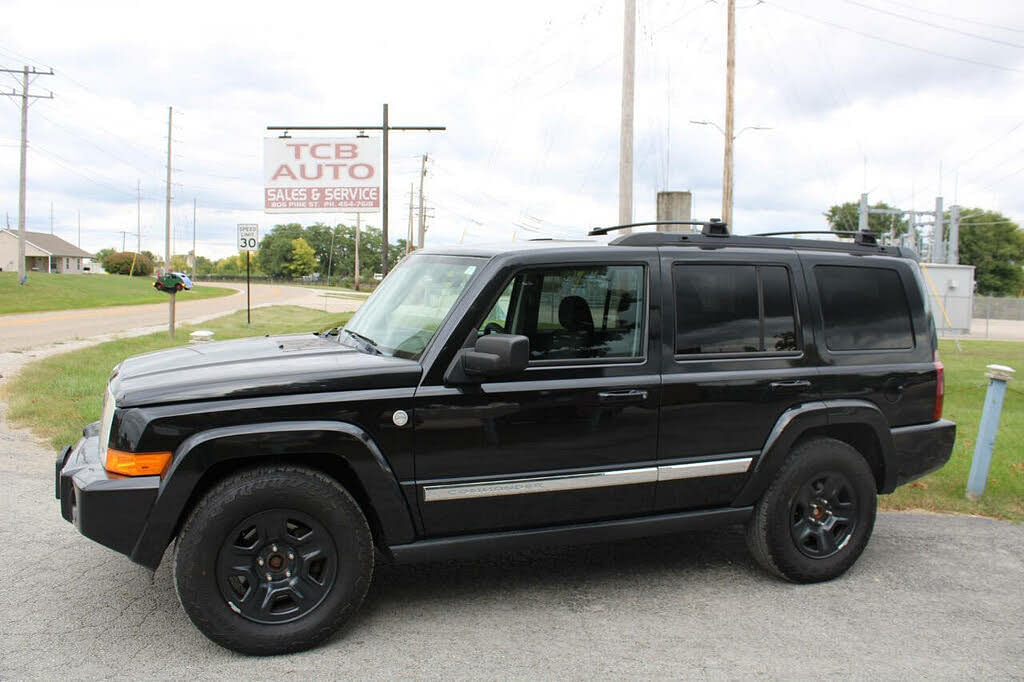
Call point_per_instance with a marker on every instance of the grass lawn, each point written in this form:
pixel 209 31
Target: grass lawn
pixel 965 395
pixel 46 291
pixel 58 395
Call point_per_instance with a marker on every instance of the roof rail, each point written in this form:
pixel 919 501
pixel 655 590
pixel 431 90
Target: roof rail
pixel 711 228
pixel 859 236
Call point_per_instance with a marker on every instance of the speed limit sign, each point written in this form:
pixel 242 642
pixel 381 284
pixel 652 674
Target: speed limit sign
pixel 248 236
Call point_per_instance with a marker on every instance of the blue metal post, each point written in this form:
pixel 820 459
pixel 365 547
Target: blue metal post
pixel 998 376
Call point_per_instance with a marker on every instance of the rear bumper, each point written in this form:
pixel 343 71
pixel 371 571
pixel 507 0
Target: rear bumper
pixel 105 507
pixel 919 450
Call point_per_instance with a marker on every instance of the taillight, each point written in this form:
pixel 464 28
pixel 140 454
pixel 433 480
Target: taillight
pixel 940 387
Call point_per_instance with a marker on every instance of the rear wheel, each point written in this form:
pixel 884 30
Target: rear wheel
pixel 273 560
pixel 815 519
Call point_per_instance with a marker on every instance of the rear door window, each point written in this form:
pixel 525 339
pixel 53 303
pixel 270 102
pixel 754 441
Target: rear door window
pixel 863 308
pixel 733 309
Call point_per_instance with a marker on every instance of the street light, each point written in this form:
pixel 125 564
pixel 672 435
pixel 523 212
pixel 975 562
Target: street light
pixel 727 172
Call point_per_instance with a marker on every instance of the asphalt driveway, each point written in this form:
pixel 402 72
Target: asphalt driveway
pixel 933 596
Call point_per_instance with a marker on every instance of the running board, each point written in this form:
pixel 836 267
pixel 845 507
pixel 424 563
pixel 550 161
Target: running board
pixel 582 533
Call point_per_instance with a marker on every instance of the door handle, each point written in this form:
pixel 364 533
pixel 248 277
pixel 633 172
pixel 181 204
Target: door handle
pixel 790 385
pixel 633 395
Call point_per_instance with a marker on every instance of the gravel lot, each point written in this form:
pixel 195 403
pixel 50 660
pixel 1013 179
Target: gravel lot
pixel 933 596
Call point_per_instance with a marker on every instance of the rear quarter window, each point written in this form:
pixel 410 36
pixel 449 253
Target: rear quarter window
pixel 863 308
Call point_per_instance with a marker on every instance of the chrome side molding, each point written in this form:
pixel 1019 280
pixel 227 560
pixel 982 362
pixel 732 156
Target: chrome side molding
pixel 597 479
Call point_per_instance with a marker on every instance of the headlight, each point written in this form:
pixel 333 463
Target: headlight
pixel 106 420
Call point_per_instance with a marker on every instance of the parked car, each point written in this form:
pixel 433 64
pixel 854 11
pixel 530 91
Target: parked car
pixel 489 398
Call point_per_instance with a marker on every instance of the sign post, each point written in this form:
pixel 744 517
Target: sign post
pixel 248 241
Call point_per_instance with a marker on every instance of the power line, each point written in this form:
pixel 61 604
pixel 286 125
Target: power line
pixel 933 25
pixel 871 36
pixel 954 17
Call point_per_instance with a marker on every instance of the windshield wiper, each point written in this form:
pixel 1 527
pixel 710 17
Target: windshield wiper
pixel 367 342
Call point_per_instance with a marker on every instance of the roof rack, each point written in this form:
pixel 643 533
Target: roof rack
pixel 711 228
pixel 864 244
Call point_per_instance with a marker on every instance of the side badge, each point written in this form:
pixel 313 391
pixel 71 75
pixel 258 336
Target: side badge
pixel 400 418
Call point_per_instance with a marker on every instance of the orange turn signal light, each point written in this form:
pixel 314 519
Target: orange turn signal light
pixel 137 463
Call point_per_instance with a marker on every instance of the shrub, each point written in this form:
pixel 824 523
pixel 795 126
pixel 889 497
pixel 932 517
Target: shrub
pixel 121 264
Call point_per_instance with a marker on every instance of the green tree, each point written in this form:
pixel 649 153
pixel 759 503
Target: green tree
pixel 994 245
pixel 276 248
pixel 101 255
pixel 846 218
pixel 204 266
pixel 302 260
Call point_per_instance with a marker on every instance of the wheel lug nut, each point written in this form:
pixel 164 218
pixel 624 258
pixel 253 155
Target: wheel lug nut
pixel 268 577
pixel 273 548
pixel 291 555
pixel 260 561
pixel 287 574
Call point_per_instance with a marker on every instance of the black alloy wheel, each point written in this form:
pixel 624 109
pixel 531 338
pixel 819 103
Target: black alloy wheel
pixel 816 517
pixel 824 515
pixel 276 566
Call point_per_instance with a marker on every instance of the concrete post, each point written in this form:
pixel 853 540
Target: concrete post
pixel 998 376
pixel 862 214
pixel 674 206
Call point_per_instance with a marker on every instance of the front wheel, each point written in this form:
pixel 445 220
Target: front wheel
pixel 815 519
pixel 273 560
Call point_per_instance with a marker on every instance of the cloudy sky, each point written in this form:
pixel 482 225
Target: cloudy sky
pixel 904 99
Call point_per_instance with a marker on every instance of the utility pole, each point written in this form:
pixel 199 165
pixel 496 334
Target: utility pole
pixel 138 216
pixel 25 97
pixel 422 227
pixel 626 121
pixel 124 235
pixel 194 257
pixel 385 129
pixel 730 77
pixel 409 240
pixel 167 233
pixel 355 277
pixel 953 252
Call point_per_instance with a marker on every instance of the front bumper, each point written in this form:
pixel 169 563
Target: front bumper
pixel 919 450
pixel 105 507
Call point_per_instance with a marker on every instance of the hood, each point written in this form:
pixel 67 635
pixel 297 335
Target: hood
pixel 262 366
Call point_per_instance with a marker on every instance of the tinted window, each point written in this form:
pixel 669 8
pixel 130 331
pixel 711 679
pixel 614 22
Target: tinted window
pixel 722 309
pixel 863 308
pixel 574 313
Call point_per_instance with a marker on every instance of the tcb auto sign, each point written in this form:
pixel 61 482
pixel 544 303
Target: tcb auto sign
pixel 321 175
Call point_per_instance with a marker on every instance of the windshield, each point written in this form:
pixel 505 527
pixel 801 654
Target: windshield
pixel 403 314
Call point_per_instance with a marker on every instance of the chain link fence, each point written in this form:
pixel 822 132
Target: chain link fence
pixel 998 308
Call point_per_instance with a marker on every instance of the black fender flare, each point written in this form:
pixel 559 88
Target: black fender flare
pixel 796 421
pixel 254 442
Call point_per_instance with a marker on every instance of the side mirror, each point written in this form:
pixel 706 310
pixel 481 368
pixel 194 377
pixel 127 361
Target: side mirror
pixel 494 355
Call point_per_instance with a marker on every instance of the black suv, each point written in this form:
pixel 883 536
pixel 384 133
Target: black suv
pixel 484 399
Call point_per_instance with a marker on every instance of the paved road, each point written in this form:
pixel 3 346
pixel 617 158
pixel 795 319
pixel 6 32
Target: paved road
pixel 23 331
pixel 933 596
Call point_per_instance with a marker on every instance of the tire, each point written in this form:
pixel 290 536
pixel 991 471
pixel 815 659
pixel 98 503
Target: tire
pixel 816 518
pixel 273 560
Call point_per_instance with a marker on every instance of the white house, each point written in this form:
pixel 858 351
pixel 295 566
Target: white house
pixel 43 253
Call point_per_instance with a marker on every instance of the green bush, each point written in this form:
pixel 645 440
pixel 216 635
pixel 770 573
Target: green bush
pixel 121 264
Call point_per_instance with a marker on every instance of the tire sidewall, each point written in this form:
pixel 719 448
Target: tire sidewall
pixel 225 506
pixel 807 461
